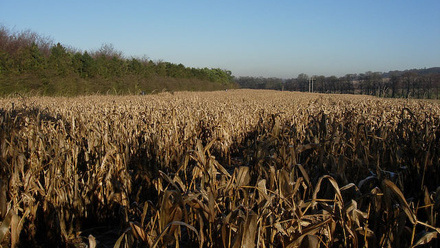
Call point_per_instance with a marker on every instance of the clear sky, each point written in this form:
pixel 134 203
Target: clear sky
pixel 251 38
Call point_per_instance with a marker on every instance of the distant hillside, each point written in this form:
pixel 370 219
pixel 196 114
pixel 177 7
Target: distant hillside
pixel 415 83
pixel 424 71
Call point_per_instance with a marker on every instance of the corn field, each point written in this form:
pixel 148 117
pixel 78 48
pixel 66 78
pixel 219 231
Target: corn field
pixel 240 168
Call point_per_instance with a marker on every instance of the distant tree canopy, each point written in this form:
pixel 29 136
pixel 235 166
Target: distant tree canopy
pixel 32 63
pixel 422 83
pixel 260 83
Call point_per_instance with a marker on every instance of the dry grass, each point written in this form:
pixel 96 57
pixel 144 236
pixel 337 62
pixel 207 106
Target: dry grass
pixel 222 169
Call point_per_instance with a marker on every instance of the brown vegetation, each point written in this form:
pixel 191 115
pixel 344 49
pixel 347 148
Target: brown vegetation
pixel 239 168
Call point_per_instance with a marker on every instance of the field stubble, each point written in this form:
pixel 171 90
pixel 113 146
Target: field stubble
pixel 240 168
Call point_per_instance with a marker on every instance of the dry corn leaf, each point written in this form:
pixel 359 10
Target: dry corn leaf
pixel 248 232
pixel 304 174
pixel 401 199
pixel 174 223
pixel 138 232
pixel 6 223
pixel 285 185
pixel 333 183
pixel 92 241
pixel 170 209
pixel 310 241
pixel 3 200
pixel 426 238
pixel 15 230
pixel 309 230
pixel 261 185
pixel 242 176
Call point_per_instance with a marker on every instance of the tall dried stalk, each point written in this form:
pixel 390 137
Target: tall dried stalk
pixel 220 169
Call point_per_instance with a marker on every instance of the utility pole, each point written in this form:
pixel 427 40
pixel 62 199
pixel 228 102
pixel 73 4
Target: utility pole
pixel 311 84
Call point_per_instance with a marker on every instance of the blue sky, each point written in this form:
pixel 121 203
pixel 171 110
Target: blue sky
pixel 250 38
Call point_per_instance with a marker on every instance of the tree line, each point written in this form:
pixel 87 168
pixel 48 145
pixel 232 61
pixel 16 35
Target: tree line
pixel 422 83
pixel 30 63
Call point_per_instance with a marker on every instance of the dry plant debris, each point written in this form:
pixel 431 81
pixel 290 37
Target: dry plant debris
pixel 240 168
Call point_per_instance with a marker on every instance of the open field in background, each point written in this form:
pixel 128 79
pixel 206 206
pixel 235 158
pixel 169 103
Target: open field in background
pixel 240 168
